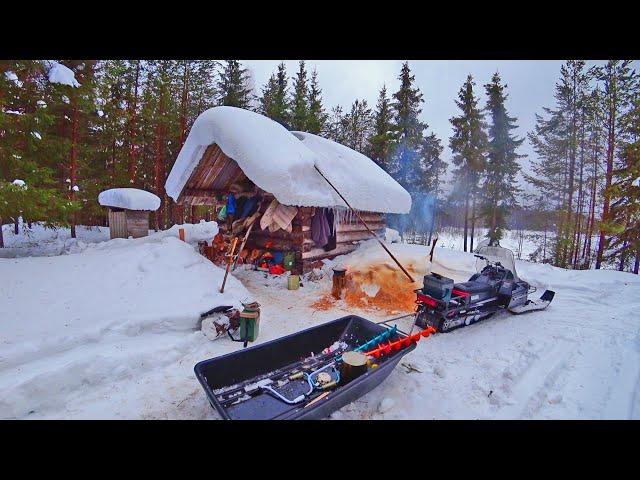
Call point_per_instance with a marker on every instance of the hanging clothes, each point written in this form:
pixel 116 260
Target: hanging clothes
pixel 278 216
pixel 231 204
pixel 249 207
pixel 332 240
pixel 320 229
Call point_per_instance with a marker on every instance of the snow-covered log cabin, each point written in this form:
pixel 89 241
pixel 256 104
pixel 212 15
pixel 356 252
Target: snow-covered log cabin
pixel 231 152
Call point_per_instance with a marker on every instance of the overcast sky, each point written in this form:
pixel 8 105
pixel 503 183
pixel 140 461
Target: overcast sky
pixel 530 85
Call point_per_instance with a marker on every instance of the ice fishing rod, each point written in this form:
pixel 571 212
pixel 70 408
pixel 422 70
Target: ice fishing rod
pixel 366 226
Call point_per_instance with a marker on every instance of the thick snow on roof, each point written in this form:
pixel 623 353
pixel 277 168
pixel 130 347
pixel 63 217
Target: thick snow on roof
pixel 58 73
pixel 129 198
pixel 279 163
pixel 364 184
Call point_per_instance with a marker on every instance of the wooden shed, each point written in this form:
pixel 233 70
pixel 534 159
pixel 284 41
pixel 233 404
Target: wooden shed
pixel 129 210
pixel 233 150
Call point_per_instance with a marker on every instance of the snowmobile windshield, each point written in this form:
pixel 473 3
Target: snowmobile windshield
pixel 496 254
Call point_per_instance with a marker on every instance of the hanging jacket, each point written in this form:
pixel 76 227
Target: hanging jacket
pixel 332 240
pixel 320 229
pixel 231 204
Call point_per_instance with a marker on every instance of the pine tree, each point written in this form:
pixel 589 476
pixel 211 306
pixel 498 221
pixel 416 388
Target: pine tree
pixel 618 80
pixel 382 135
pixel 357 124
pixel 499 187
pixel 233 86
pixel 299 103
pixel 406 109
pixel 316 118
pixel 274 102
pixel 560 140
pixel 625 190
pixel 469 146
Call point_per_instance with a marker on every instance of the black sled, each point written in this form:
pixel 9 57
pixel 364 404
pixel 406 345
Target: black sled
pixel 445 305
pixel 232 382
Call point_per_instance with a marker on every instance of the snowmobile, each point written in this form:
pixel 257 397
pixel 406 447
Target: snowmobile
pixel 445 305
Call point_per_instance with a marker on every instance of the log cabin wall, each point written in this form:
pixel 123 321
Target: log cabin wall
pixel 307 255
pixel 214 175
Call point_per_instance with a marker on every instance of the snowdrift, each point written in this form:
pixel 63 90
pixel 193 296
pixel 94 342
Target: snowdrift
pixel 81 325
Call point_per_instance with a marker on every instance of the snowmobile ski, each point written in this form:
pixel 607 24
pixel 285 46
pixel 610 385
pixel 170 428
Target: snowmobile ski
pixel 534 305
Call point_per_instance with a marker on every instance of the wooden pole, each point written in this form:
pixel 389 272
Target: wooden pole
pixel 367 226
pixel 244 242
pixel 229 262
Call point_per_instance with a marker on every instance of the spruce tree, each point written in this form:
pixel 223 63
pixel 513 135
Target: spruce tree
pixel 299 103
pixel 432 169
pixel 336 125
pixel 499 187
pixel 233 86
pixel 406 109
pixel 382 134
pixel 357 124
pixel 274 102
pixel 317 117
pixel 469 145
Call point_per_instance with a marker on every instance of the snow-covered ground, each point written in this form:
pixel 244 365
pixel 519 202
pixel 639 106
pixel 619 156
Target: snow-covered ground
pixel 109 330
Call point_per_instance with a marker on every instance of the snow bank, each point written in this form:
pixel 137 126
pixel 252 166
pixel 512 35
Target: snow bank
pixel 278 162
pixel 391 236
pixel 58 73
pixel 79 329
pixel 129 198
pixel 199 232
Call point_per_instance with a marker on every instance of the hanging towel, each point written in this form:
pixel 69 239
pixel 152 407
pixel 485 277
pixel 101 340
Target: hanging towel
pixel 267 218
pixel 278 216
pixel 283 216
pixel 320 229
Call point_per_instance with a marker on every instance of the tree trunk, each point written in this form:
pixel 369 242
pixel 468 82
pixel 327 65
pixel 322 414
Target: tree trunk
pixel 473 220
pixel 183 106
pixel 74 160
pixel 466 220
pixel 2 236
pixel 132 129
pixel 608 178
pixel 636 264
pixel 159 162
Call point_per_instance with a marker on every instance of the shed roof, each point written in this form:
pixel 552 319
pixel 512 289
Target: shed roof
pixel 282 163
pixel 129 198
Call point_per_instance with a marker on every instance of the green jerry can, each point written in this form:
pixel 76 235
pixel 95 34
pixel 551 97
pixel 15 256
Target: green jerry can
pixel 250 322
pixel 289 260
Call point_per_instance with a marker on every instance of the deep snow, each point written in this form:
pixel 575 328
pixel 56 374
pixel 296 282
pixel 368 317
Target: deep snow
pixel 110 332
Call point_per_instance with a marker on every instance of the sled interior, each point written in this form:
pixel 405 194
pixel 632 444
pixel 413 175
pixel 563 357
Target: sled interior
pixel 230 369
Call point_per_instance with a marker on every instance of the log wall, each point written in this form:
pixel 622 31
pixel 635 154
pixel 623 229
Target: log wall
pixel 300 242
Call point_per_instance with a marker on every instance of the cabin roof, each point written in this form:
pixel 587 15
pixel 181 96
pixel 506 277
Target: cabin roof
pixel 227 144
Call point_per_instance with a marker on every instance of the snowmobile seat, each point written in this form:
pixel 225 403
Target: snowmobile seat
pixel 475 288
